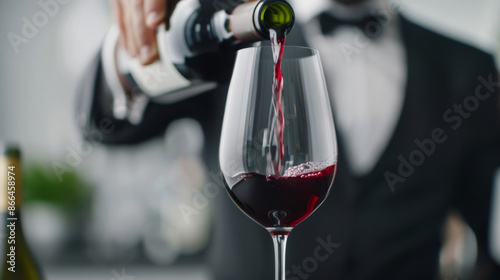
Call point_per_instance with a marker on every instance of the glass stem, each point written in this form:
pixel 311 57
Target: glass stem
pixel 279 242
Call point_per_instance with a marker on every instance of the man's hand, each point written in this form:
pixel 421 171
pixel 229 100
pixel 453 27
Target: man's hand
pixel 138 20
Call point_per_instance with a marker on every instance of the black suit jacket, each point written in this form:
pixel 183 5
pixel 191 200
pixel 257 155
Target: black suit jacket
pixel 383 225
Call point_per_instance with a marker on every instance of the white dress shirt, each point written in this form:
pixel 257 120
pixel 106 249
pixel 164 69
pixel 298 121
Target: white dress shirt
pixel 366 78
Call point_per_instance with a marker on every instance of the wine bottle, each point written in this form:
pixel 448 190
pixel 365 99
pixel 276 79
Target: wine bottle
pixel 198 50
pixel 18 263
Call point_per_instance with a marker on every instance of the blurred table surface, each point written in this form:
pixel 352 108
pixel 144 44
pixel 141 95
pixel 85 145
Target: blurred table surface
pixel 126 272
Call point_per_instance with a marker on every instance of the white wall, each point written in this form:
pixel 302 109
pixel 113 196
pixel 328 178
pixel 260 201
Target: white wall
pixel 38 83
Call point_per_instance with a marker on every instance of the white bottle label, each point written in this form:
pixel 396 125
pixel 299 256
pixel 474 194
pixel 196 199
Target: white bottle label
pixel 160 80
pixel 160 77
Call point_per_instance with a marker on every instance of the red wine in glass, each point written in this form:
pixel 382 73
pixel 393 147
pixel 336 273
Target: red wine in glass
pixel 282 201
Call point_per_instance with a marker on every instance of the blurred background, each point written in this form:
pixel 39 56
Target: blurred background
pixel 94 212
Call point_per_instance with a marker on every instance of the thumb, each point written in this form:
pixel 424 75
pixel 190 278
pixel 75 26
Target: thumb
pixel 154 12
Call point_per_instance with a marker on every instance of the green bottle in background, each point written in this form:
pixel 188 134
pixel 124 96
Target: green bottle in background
pixel 16 261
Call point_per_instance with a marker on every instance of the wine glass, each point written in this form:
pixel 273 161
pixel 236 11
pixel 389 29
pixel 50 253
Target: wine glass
pixel 278 155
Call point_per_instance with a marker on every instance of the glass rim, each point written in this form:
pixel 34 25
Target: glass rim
pixel 292 47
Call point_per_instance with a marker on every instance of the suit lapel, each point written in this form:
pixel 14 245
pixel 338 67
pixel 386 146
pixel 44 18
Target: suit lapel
pixel 400 139
pixel 417 100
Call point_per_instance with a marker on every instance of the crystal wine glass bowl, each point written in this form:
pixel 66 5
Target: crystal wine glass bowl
pixel 278 150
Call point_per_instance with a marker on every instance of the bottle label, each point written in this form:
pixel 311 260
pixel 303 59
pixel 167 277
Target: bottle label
pixel 10 178
pixel 160 77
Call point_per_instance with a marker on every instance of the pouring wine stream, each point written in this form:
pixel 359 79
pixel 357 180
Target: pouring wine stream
pixel 278 120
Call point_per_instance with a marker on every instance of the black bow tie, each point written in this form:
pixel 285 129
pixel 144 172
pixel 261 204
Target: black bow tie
pixel 369 25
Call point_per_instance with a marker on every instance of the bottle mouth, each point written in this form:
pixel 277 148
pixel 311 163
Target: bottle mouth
pixel 277 15
pixel 9 149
